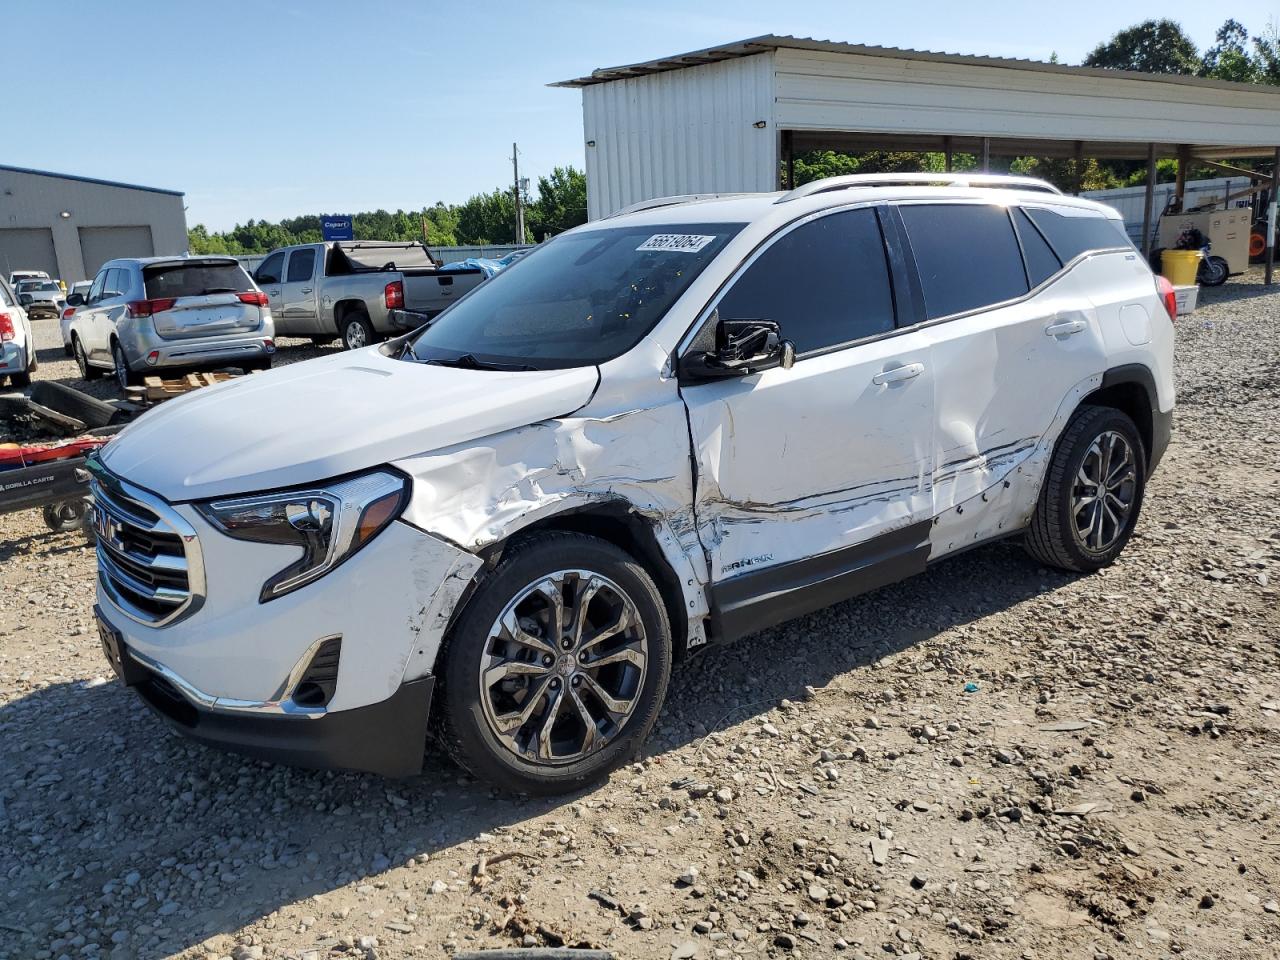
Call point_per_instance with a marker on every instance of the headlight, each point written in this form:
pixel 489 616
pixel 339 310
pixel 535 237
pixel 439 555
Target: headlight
pixel 329 522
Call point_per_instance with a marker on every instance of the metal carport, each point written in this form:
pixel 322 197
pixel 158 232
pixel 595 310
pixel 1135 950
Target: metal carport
pixel 730 118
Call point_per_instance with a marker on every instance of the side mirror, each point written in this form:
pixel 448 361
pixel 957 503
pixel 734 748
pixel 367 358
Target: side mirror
pixel 75 300
pixel 742 347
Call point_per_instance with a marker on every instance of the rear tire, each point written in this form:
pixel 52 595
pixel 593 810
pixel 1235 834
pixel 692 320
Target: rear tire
pixel 87 370
pixel 559 734
pixel 20 380
pixel 1092 492
pixel 65 516
pixel 357 331
pixel 125 377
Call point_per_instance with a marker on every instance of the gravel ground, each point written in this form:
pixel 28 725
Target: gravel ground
pixel 989 760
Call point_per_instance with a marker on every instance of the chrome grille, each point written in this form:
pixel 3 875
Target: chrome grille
pixel 148 555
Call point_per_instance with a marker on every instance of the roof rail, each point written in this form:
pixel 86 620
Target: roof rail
pixel 851 181
pixel 671 202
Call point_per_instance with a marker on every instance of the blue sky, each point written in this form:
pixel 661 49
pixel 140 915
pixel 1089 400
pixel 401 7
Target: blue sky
pixel 267 110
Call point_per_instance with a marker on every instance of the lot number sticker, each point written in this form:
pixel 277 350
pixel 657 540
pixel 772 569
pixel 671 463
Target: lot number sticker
pixel 676 242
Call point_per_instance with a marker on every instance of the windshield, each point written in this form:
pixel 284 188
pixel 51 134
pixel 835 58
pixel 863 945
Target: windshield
pixel 580 299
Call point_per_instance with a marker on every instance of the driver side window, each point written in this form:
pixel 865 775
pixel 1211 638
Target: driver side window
pixel 825 283
pixel 95 291
pixel 270 269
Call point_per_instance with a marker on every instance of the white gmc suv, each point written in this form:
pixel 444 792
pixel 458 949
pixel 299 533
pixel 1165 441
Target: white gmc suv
pixel 661 430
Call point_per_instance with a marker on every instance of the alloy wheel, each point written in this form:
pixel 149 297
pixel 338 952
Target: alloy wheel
pixel 1105 491
pixel 563 667
pixel 356 336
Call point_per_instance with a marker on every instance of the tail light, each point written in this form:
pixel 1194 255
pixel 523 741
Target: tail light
pixel 6 327
pixel 254 298
pixel 68 313
pixel 394 293
pixel 1167 296
pixel 145 308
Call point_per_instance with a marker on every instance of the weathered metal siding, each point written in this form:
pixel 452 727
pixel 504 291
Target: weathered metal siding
pixel 854 92
pixel 37 200
pixel 678 132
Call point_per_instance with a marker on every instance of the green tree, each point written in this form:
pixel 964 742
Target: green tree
pixel 1153 46
pixel 1266 52
pixel 1229 58
pixel 487 218
pixel 561 203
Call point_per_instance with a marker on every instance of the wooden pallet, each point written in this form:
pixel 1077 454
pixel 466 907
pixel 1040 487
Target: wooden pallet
pixel 155 389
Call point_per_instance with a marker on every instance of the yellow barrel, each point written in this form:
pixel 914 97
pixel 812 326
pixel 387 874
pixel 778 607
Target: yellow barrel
pixel 1180 266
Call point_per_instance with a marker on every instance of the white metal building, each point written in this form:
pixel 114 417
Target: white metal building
pixel 730 118
pixel 69 226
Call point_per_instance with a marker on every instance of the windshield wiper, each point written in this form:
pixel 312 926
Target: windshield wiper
pixel 468 361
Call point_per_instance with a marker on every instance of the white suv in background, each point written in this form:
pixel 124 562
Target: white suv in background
pixel 660 430
pixel 165 313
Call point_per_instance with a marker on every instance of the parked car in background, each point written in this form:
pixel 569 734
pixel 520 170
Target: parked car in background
pixel 359 291
pixel 166 313
pixel 75 298
pixel 41 298
pixel 19 275
pixel 17 348
pixel 670 428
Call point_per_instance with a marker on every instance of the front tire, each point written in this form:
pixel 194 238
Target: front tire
pixel 357 331
pixel 555 672
pixel 1092 492
pixel 87 371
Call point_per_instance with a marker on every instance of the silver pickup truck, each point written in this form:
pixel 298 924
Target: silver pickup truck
pixel 359 291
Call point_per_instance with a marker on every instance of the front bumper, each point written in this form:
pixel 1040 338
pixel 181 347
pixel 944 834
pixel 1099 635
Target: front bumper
pixel 42 309
pixel 386 738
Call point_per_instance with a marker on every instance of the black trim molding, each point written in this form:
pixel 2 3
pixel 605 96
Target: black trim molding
pixel 754 601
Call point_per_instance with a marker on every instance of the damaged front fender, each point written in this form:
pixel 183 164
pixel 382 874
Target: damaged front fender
pixel 482 493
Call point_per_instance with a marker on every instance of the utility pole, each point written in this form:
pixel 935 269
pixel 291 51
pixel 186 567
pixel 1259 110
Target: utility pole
pixel 515 169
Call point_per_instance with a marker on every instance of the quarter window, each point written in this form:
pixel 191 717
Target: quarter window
pixel 95 291
pixel 966 255
pixel 302 264
pixel 271 269
pixel 1042 263
pixel 824 283
pixel 1071 236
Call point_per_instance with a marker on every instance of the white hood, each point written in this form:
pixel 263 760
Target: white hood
pixel 318 419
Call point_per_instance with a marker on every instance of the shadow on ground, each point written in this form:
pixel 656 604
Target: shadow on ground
pixel 95 788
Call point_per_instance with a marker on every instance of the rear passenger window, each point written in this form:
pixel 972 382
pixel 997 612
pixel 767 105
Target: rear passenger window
pixel 1041 261
pixel 302 263
pixel 966 254
pixel 1071 236
pixel 825 283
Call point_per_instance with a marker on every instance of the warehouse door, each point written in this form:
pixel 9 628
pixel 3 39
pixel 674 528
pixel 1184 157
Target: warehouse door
pixel 27 249
pixel 100 244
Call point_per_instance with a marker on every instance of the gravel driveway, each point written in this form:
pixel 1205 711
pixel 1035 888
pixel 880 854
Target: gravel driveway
pixel 989 760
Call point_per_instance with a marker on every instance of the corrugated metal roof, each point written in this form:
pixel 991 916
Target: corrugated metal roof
pixel 105 183
pixel 763 44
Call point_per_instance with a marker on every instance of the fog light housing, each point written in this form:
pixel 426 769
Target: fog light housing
pixel 153 357
pixel 270 345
